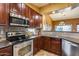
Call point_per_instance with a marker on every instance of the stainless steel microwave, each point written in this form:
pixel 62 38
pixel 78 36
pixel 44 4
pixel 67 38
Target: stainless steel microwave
pixel 15 21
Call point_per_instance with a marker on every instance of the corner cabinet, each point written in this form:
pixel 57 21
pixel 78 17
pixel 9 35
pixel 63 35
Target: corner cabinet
pixel 56 46
pixel 52 45
pixel 34 18
pixel 6 51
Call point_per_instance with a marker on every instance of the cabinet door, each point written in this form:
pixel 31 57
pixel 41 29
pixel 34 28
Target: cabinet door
pixel 35 46
pixel 55 45
pixel 7 51
pixel 3 13
pixel 37 20
pixel 40 43
pixel 31 18
pixel 47 43
pixel 27 11
pixel 15 6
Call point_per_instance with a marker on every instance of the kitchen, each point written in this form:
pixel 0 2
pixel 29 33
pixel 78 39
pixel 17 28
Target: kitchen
pixel 39 29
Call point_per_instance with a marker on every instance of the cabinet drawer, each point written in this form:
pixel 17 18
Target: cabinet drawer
pixel 7 51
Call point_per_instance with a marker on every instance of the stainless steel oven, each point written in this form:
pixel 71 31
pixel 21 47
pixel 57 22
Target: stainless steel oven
pixel 23 49
pixel 22 45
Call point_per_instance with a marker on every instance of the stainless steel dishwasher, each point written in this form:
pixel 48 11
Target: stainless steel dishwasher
pixel 69 48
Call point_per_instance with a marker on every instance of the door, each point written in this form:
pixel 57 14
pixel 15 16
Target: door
pixel 56 45
pixel 24 48
pixel 37 44
pixel 31 17
pixel 7 51
pixel 47 43
pixel 4 7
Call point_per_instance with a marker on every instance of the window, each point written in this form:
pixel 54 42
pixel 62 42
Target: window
pixel 77 28
pixel 63 28
pixel 58 28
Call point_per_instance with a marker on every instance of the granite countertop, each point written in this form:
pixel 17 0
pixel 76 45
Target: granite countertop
pixel 34 36
pixel 5 43
pixel 73 39
pixel 76 40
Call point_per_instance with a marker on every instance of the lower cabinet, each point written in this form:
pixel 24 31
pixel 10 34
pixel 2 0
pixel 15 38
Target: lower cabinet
pixel 6 51
pixel 37 45
pixel 47 43
pixel 55 45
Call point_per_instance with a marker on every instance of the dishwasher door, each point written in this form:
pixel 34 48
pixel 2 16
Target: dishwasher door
pixel 69 48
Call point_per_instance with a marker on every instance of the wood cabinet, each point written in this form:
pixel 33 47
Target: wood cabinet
pixel 46 42
pixel 52 45
pixel 37 45
pixel 55 45
pixel 4 7
pixel 37 18
pixel 34 18
pixel 21 9
pixel 17 7
pixel 31 17
pixel 6 51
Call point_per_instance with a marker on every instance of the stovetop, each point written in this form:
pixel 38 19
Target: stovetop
pixel 20 41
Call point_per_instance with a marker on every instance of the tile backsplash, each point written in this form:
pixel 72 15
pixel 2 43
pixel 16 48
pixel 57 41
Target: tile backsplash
pixel 2 33
pixel 2 30
pixel 21 29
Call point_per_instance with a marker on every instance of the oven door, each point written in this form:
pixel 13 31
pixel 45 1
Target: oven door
pixel 23 49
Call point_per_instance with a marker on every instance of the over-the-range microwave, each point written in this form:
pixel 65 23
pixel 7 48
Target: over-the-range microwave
pixel 15 21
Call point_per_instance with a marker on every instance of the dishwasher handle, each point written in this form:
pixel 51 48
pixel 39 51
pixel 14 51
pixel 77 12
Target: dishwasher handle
pixel 73 44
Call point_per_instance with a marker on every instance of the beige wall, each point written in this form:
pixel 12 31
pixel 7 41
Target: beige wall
pixel 47 19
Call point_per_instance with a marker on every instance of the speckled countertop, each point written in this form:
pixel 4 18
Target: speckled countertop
pixel 5 43
pixel 73 39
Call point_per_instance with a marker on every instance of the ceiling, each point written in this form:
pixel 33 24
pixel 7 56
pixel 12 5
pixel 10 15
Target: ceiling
pixel 63 11
pixel 66 13
pixel 40 4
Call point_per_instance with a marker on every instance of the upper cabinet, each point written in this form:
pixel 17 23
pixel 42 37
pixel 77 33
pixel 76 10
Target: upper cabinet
pixel 15 7
pixel 19 9
pixel 31 19
pixel 4 8
pixel 35 18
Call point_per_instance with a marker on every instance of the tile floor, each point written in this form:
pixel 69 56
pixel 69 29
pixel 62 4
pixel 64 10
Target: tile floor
pixel 44 53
